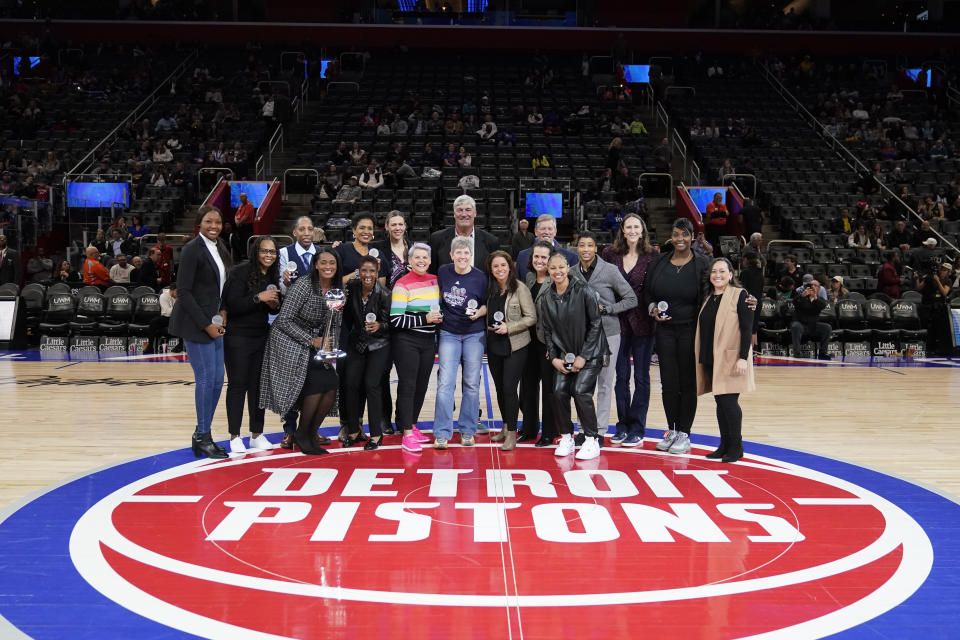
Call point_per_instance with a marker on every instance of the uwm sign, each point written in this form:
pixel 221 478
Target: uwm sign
pixel 672 537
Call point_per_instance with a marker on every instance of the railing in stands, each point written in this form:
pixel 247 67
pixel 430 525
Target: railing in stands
pixel 669 177
pixel 805 243
pixel 215 186
pixel 221 173
pixel 695 174
pixel 276 140
pixel 680 146
pixel 139 110
pixel 295 108
pixel 661 115
pixel 723 181
pixel 258 168
pixel 840 149
pixel 304 92
pixel 651 99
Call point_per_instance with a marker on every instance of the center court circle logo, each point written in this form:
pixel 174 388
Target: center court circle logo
pixel 636 538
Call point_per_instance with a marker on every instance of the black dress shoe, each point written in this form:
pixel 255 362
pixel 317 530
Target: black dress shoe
pixel 372 444
pixel 717 453
pixel 359 437
pixel 526 437
pixel 387 429
pixel 734 453
pixel 544 441
pixel 306 444
pixel 202 443
pixel 346 441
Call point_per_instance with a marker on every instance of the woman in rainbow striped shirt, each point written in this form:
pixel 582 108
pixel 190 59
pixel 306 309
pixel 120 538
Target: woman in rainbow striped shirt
pixel 414 314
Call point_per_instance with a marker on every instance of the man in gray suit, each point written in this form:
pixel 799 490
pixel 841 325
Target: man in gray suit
pixel 10 268
pixel 616 295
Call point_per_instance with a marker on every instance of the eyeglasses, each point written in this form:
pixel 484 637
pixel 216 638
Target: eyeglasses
pixel 267 252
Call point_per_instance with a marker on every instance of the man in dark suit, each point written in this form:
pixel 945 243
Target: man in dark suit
pixel 148 269
pixel 544 229
pixel 464 214
pixel 10 268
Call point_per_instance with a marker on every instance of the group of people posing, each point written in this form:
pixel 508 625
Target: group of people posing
pixel 556 325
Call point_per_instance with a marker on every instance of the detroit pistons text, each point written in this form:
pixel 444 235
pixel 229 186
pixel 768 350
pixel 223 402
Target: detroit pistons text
pixel 554 511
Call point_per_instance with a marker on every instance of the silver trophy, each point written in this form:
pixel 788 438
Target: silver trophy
pixel 271 287
pixel 374 253
pixel 291 268
pixel 335 299
pixel 370 317
pixel 497 319
pixel 435 307
pixel 472 308
pixel 662 307
pixel 568 361
pixel 217 321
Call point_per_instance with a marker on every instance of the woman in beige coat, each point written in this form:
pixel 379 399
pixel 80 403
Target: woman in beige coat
pixel 510 314
pixel 724 358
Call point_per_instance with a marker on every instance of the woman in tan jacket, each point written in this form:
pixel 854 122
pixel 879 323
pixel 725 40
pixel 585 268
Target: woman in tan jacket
pixel 510 314
pixel 724 359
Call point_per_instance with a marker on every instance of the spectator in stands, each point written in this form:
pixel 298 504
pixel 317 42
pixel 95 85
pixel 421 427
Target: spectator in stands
pixel 785 288
pixel 148 273
pixel 430 157
pixel 414 320
pixel 93 271
pixel 464 159
pixel 753 218
pixel 899 237
pixel 244 217
pixel 888 276
pixel 488 130
pixel 522 239
pixel 935 289
pixel 372 177
pixel 167 122
pixel 269 109
pixel 203 269
pixel 464 214
pixel 791 268
pixel 614 151
pixel 66 274
pixel 27 189
pixel 626 186
pixel 434 124
pixel 701 246
pixel 726 169
pixel 724 362
pixel 568 314
pixel 716 219
pixel 39 266
pixel 137 229
pixel 807 307
pixel 676 277
pixel 136 262
pixel 539 159
pixel 618 127
pixel 350 192
pixel 341 155
pixel 165 264
pixel 248 303
pixel 100 242
pixel 534 116
pixel 358 157
pixel 120 271
pixel 450 156
pixel 843 224
pixel 545 230
pixel 51 164
pixel 637 127
pixel 383 129
pixel 162 154
pixel 839 292
pixel 616 297
pixel 923 235
pixel 858 239
pixel 119 244
pixel 806 280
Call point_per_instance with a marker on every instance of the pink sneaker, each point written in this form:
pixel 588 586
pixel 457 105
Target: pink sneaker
pixel 419 435
pixel 411 444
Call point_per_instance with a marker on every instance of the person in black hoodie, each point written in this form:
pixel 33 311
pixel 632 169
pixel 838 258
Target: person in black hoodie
pixel 249 302
pixel 569 313
pixel 368 352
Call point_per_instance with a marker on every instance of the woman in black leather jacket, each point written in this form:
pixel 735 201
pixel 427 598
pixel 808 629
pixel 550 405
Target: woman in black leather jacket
pixel 573 334
pixel 368 352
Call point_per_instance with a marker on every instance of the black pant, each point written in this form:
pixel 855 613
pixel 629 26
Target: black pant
pixel 362 375
pixel 506 371
pixel 580 386
pixel 819 330
pixel 730 419
pixel 243 357
pixel 536 389
pixel 413 352
pixel 678 374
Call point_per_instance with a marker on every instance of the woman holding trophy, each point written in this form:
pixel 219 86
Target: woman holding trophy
pixel 297 367
pixel 510 314
pixel 367 318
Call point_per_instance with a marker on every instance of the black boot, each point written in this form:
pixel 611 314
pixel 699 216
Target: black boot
pixel 720 451
pixel 734 452
pixel 203 443
pixel 305 441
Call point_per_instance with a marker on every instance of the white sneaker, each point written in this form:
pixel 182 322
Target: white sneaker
pixel 668 437
pixel 236 445
pixel 589 450
pixel 565 446
pixel 681 444
pixel 260 443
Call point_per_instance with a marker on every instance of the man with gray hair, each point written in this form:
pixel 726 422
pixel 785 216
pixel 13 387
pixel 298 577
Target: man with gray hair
pixel 545 229
pixel 464 214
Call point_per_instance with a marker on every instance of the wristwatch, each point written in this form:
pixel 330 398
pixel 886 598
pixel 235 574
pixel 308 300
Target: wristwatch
pixel 256 299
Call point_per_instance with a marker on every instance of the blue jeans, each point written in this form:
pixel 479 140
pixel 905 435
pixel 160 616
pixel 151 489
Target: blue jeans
pixel 453 347
pixel 206 360
pixel 632 415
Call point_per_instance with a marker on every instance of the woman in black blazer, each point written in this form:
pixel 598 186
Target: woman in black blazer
pixel 249 297
pixel 199 320
pixel 368 353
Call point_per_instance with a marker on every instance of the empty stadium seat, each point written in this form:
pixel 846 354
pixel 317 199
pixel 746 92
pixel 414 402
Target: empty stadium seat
pixel 146 311
pixel 116 317
pixel 59 311
pixel 90 310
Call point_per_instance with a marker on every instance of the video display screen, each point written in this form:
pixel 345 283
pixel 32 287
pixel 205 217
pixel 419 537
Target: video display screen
pixel 540 203
pixel 636 73
pixel 256 192
pixel 98 194
pixel 702 196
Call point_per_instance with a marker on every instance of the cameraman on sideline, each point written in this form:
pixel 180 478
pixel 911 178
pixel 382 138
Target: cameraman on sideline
pixel 807 308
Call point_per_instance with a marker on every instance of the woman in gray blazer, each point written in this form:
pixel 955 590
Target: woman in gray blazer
pixel 508 336
pixel 199 320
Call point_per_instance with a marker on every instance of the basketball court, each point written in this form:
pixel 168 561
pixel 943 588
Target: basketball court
pixel 841 519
